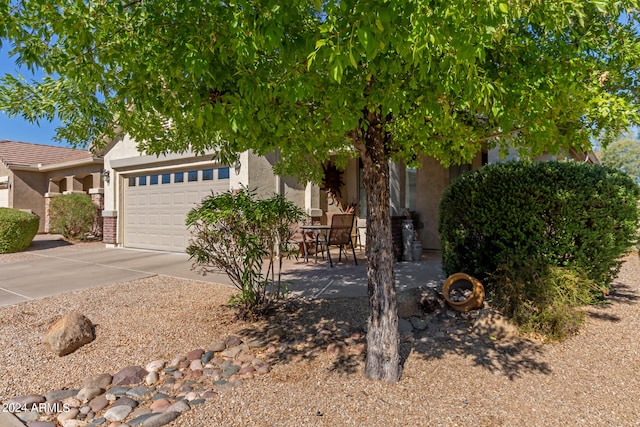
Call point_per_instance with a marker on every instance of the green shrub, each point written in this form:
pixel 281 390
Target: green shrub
pixel 237 234
pixel 72 215
pixel 17 230
pixel 543 299
pixel 565 214
pixel 543 237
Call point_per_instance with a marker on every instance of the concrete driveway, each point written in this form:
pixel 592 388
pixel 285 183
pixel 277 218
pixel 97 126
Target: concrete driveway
pixel 52 266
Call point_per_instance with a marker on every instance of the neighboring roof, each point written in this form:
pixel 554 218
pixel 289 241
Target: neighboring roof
pixel 14 153
pixel 587 157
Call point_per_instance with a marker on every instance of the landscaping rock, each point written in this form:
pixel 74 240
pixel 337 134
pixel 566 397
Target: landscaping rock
pixel 179 406
pixel 118 413
pixel 196 365
pixel 27 400
pixel 206 357
pixel 159 403
pixel 137 392
pixel 101 380
pixel 36 424
pixel 232 341
pixel 161 419
pixel 68 415
pixel 126 401
pixel 217 346
pixel 129 376
pixel 98 403
pixel 155 366
pixel 69 334
pixel 151 378
pixel 419 323
pixel 74 423
pixel 58 395
pixel 28 416
pixel 88 393
pixel 195 354
pixel 231 352
pixel 404 327
pixel 140 419
pixel 409 303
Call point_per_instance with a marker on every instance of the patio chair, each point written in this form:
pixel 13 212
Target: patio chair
pixel 298 240
pixel 339 235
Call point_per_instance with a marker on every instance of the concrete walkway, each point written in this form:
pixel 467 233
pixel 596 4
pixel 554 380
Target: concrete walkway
pixel 52 266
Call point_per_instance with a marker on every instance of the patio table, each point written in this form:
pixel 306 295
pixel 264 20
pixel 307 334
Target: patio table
pixel 315 230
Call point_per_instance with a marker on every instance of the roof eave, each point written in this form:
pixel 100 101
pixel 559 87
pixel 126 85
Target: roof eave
pixel 72 163
pixel 55 166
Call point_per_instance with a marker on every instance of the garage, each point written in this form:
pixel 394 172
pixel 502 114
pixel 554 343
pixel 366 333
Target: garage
pixel 4 191
pixel 157 203
pixel 4 198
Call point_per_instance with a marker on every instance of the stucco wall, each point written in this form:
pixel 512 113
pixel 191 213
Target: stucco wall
pixel 28 193
pixel 431 180
pixel 125 148
pixel 262 179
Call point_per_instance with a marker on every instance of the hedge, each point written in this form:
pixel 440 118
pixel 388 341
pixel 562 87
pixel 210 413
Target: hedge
pixel 17 230
pixel 566 214
pixel 72 215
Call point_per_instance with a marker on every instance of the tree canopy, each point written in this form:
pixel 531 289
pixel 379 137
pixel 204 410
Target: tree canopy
pixel 449 76
pixel 370 78
pixel 624 154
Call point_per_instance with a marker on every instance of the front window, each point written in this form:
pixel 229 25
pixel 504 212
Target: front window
pixel 223 173
pixel 207 174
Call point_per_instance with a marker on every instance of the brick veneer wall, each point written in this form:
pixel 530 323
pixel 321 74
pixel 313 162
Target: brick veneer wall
pixel 109 229
pixel 98 200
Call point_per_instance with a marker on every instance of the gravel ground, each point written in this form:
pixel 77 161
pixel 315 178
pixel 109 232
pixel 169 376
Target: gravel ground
pixel 460 379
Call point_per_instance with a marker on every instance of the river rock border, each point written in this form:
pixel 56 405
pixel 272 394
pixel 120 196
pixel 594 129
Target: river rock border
pixel 152 396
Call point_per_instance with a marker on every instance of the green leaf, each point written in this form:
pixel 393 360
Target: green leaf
pixel 336 71
pixel 352 59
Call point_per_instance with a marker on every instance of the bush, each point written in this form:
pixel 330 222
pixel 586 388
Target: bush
pixel 17 230
pixel 544 237
pixel 543 299
pixel 72 215
pixel 236 233
pixel 569 214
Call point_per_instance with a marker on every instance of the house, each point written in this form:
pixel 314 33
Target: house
pixel 147 197
pixel 31 174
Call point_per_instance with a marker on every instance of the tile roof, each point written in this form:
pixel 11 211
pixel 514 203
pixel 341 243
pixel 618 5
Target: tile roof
pixel 28 154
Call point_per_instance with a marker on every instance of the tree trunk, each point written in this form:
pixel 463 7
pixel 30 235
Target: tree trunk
pixel 383 358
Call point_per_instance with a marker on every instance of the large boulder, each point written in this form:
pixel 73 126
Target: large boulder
pixel 69 334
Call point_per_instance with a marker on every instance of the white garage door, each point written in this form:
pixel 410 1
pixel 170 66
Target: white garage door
pixel 4 198
pixel 156 205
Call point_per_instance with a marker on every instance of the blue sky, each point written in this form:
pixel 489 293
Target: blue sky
pixel 16 128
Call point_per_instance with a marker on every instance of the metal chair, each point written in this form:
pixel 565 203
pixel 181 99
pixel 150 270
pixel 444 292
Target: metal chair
pixel 339 235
